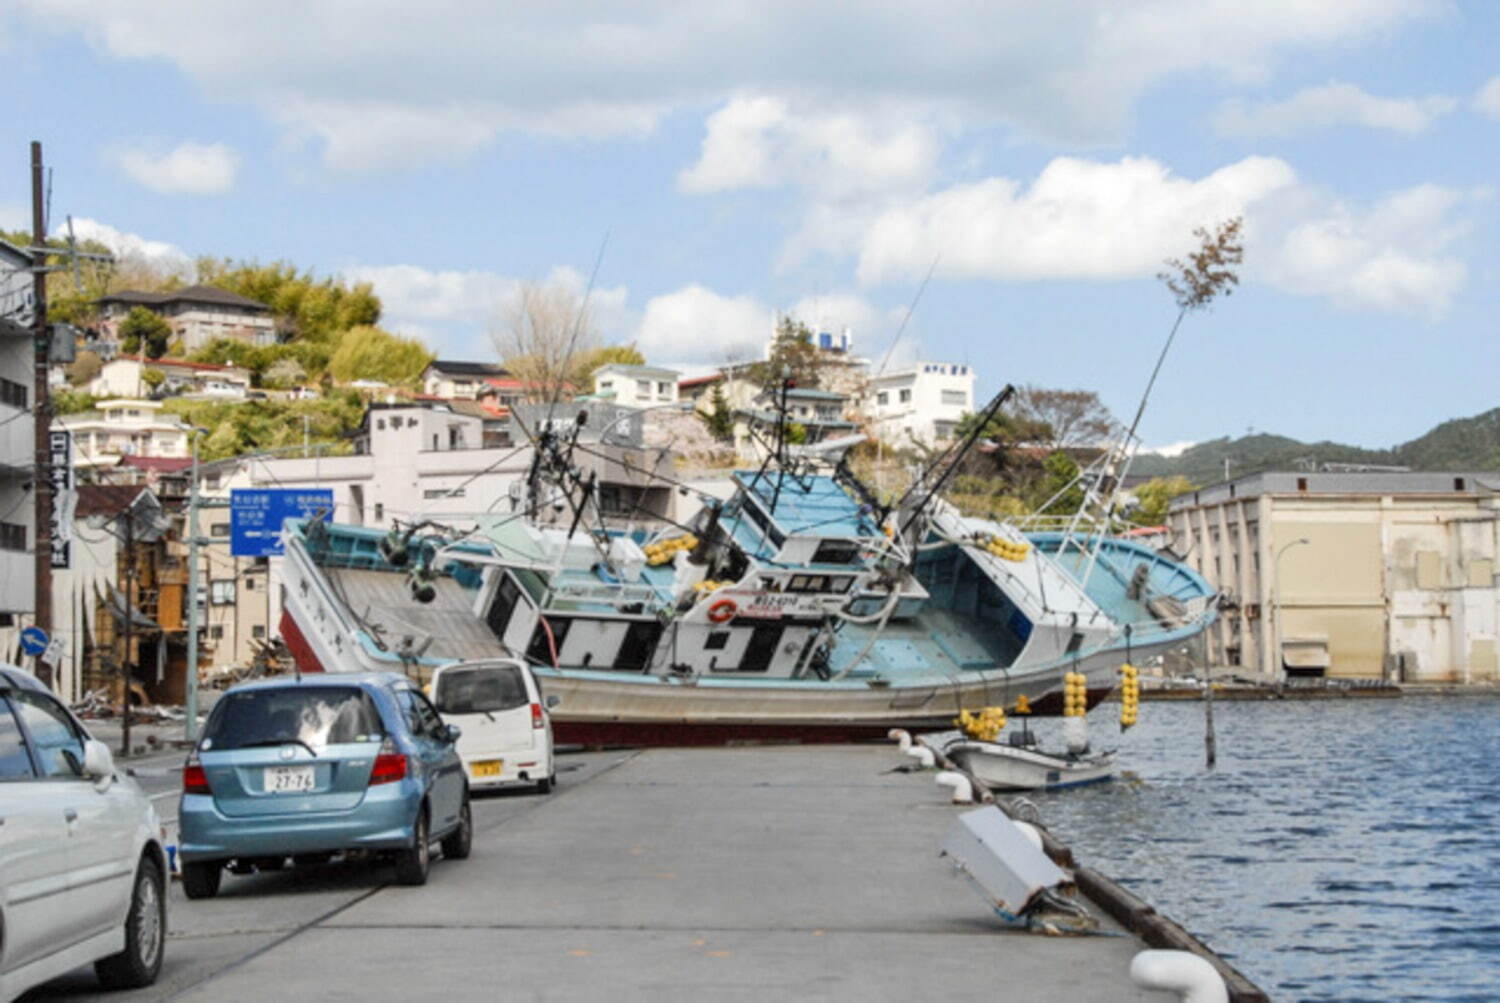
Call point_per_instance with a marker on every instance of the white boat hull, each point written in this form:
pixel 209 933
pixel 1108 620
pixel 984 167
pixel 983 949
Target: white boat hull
pixel 1007 768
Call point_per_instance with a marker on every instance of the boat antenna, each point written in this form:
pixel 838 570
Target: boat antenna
pixel 577 327
pixel 911 309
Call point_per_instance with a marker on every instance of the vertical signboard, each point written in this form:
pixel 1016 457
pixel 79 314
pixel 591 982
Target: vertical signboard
pixel 64 500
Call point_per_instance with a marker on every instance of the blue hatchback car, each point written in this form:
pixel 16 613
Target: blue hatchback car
pixel 311 767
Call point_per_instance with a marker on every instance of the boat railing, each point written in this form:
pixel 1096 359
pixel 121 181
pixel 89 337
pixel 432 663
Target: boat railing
pixel 607 593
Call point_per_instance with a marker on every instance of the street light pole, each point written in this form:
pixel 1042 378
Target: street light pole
pixel 190 731
pixel 1276 601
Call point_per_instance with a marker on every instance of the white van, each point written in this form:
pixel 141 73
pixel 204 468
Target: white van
pixel 506 738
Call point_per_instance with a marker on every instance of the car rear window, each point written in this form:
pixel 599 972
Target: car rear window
pixel 480 689
pixel 316 715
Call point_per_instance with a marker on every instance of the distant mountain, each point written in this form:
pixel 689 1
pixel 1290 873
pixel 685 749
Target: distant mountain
pixel 1459 444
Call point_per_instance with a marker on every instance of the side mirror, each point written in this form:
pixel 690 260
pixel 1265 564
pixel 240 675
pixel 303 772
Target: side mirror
pixel 451 733
pixel 553 700
pixel 97 761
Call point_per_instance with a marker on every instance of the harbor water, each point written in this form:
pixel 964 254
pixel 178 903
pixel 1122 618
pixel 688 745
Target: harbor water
pixel 1340 850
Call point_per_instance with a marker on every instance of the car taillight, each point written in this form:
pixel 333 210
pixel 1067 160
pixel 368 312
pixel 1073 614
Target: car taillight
pixel 194 780
pixel 536 715
pixel 390 765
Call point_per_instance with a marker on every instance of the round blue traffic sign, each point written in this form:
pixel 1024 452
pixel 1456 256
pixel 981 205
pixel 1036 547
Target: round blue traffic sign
pixel 33 640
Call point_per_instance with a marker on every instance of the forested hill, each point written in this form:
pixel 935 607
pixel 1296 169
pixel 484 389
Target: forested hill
pixel 1459 444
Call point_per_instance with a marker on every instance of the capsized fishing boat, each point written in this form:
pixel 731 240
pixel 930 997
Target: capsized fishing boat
pixel 801 608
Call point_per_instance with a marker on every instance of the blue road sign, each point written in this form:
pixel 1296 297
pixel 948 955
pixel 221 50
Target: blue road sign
pixel 256 515
pixel 34 640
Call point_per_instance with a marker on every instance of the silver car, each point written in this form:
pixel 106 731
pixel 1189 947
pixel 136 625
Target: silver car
pixel 82 870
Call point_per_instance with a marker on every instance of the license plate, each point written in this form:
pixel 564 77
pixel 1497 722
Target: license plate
pixel 487 767
pixel 280 779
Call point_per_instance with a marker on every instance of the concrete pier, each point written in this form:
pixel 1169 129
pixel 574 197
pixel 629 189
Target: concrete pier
pixel 802 872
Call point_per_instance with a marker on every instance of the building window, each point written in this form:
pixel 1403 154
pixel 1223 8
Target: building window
pixel 664 388
pixel 258 630
pixel 249 584
pixel 433 493
pixel 957 398
pixel 380 424
pixel 379 511
pixel 643 387
pixel 12 536
pixel 216 632
pixel 942 429
pixel 906 396
pixel 221 593
pixel 13 393
pixel 883 398
pixel 220 529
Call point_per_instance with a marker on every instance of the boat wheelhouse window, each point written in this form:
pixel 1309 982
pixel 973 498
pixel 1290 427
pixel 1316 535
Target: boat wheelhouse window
pixel 498 617
pixel 770 584
pixel 717 640
pixel 836 552
pixel 840 583
pixel 541 648
pixel 797 584
pixel 762 647
pixel 639 645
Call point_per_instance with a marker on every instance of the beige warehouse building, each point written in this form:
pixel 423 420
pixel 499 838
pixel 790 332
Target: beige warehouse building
pixel 1370 575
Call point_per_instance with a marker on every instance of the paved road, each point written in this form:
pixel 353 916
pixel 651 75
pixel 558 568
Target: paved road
pixel 255 913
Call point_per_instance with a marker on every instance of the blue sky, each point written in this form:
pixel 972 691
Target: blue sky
pixel 747 158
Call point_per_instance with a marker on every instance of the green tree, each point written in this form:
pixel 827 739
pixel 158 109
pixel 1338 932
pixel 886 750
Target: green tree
pixel 145 331
pixel 153 378
pixel 369 353
pixel 796 433
pixel 720 420
pixel 1154 498
pixel 1060 479
pixel 72 401
pixel 793 355
pixel 306 307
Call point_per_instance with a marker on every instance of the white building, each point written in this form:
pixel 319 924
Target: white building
pixel 198 315
pixel 126 377
pixel 452 379
pixel 636 386
pixel 922 403
pixel 17 470
pixel 124 428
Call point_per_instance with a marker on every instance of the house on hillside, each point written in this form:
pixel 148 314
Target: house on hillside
pixel 119 428
pixel 126 377
pixel 198 315
pixel 921 403
pixel 451 379
pixel 636 386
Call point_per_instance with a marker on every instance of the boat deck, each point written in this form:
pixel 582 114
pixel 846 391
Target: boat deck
pixel 382 599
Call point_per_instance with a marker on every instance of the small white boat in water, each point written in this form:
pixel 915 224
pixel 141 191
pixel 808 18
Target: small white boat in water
pixel 1027 768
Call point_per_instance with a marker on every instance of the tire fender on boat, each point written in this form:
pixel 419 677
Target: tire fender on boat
pixel 722 611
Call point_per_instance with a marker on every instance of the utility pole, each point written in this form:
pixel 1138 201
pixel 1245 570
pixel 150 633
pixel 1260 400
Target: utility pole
pixel 191 732
pixel 126 663
pixel 42 477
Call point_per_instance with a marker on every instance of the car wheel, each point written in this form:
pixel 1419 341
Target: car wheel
pixel 412 863
pixel 200 878
pixel 457 844
pixel 145 933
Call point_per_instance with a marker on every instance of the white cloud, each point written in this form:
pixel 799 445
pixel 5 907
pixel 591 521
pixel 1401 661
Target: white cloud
pixel 1088 220
pixel 1395 256
pixel 13 216
pixel 377 89
pixel 1173 449
pixel 126 246
pixel 1487 101
pixel 188 169
pixel 758 142
pixel 457 311
pixel 698 325
pixel 1078 219
pixel 1331 105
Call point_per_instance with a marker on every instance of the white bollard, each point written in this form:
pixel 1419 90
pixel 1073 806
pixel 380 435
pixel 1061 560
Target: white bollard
pixel 963 790
pixel 1030 831
pixel 922 755
pixel 900 736
pixel 1188 975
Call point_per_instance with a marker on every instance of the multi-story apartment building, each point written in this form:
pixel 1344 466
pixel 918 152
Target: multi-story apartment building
pixel 17 434
pixel 636 386
pixel 117 428
pixel 921 403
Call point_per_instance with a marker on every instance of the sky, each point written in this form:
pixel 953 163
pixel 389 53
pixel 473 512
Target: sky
pixel 709 165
